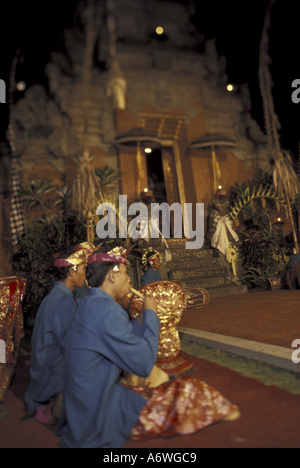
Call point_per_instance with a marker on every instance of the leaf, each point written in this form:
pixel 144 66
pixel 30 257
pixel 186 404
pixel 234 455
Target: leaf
pixel 108 175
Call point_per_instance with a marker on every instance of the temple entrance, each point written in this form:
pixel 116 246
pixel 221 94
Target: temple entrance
pixel 156 180
pixel 162 180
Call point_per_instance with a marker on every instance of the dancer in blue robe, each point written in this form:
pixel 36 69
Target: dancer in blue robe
pixel 78 293
pixel 50 334
pixel 99 411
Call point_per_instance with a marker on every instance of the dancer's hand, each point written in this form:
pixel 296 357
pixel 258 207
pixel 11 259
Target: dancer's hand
pixel 150 303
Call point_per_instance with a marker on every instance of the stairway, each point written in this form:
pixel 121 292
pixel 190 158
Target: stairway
pixel 199 269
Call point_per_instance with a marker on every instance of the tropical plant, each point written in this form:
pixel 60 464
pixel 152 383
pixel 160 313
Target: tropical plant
pixel 263 257
pixel 108 176
pixel 64 193
pixel 257 205
pixel 257 277
pixel 250 199
pixel 34 192
pixel 33 258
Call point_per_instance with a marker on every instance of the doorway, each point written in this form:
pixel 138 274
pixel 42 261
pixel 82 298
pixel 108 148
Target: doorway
pixel 162 180
pixel 156 180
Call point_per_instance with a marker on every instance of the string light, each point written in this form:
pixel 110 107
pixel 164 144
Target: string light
pixel 148 150
pixel 159 30
pixel 230 87
pixel 21 85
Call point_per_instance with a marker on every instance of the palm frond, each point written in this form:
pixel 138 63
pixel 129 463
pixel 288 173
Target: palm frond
pixel 285 178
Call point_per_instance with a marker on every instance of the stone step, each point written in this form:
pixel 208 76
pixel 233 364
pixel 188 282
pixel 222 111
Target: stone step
pixel 194 262
pixel 216 288
pixel 201 264
pixel 230 290
pixel 180 248
pixel 209 272
pixel 204 268
pixel 195 258
pixel 207 283
pixel 275 355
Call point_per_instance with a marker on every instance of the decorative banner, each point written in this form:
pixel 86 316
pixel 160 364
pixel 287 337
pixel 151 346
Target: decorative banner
pixel 16 206
pixel 232 255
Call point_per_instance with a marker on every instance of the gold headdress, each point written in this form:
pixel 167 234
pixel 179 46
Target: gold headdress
pixel 88 246
pixel 75 259
pixel 116 255
pixel 120 251
pixel 149 255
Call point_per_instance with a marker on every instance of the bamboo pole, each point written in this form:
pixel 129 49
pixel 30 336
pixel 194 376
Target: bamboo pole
pixel 284 175
pixel 138 294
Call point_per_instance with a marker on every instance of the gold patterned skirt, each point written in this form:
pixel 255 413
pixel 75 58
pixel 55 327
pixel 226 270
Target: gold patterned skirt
pixel 182 406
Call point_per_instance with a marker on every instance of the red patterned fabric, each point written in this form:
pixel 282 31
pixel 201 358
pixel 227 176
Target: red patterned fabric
pixel 12 290
pixel 182 406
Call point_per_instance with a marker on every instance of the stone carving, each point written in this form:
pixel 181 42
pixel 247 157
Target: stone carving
pixel 116 87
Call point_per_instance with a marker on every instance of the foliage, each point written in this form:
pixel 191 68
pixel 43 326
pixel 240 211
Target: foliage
pixel 59 227
pixel 33 193
pixel 255 199
pixel 108 176
pixel 255 205
pixel 34 256
pixel 263 259
pixel 43 236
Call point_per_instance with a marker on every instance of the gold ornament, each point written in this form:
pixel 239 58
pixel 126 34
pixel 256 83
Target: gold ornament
pixel 171 300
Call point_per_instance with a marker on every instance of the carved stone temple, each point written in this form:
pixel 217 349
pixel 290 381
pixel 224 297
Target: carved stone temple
pixel 121 85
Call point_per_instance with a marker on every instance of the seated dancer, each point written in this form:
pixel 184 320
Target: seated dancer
pixel 100 411
pixel 151 262
pixel 51 328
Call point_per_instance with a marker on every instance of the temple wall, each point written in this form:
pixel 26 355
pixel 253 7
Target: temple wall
pixel 171 88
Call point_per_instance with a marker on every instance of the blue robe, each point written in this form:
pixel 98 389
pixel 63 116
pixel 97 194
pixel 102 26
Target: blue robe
pixel 52 325
pixel 78 293
pixel 99 411
pixel 151 276
pixel 294 259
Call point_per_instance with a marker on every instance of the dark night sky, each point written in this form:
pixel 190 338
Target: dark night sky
pixel 37 27
pixel 238 27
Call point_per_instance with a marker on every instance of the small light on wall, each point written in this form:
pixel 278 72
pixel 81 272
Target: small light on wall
pixel 145 190
pixel 148 150
pixel 159 30
pixel 219 187
pixel 21 85
pixel 230 87
pixel 279 222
